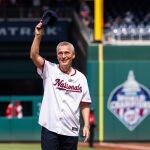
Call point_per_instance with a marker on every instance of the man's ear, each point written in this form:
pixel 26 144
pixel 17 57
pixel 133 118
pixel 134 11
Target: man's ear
pixel 74 55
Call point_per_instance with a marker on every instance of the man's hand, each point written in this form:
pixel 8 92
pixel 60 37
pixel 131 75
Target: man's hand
pixel 39 30
pixel 86 133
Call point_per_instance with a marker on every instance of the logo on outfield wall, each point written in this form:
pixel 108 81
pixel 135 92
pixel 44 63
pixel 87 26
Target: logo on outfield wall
pixel 130 102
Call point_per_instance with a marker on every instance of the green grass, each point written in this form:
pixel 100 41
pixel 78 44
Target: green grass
pixel 29 146
pixel 19 146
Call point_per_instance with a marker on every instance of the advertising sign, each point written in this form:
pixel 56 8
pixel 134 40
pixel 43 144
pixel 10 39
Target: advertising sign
pixel 11 31
pixel 130 102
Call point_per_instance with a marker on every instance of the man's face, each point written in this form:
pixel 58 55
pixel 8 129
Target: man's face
pixel 65 56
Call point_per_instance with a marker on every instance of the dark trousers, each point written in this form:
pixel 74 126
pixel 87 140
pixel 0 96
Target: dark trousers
pixel 54 141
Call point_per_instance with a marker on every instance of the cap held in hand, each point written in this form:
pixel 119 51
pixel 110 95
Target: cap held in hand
pixel 49 18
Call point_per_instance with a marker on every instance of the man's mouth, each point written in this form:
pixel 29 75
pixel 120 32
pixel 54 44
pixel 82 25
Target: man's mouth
pixel 64 61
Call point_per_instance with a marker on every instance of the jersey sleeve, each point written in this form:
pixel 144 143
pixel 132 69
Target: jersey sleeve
pixel 47 67
pixel 86 94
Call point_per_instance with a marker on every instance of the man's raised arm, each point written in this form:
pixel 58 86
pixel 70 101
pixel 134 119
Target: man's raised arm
pixel 34 52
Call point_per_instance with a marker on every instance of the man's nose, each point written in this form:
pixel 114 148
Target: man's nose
pixel 63 55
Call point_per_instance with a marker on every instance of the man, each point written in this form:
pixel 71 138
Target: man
pixel 9 110
pixel 65 92
pixel 18 110
pixel 92 127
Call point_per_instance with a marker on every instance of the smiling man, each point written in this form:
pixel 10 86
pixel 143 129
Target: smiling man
pixel 65 93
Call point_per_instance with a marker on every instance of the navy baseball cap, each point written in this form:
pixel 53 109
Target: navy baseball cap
pixel 49 18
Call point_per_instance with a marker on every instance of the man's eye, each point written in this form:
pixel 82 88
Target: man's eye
pixel 60 53
pixel 66 53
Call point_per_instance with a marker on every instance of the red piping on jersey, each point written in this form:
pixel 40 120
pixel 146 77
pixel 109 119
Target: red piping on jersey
pixel 74 72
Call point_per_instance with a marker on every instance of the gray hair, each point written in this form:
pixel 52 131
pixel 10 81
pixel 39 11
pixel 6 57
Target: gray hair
pixel 65 43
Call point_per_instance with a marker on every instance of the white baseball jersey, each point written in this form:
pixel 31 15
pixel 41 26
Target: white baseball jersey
pixel 63 94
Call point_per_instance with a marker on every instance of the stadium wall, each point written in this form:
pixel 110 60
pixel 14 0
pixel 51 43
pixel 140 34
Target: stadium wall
pixel 20 129
pixel 108 69
pixel 127 124
pixel 118 78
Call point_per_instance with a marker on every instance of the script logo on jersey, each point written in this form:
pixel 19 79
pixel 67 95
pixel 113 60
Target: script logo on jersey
pixel 130 102
pixel 61 85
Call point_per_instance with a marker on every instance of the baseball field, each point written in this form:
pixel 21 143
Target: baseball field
pixel 98 146
pixel 30 146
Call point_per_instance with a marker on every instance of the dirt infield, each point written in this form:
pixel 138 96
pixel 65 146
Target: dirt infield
pixel 120 146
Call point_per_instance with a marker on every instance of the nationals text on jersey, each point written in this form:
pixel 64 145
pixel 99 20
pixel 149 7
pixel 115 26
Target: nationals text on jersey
pixel 61 85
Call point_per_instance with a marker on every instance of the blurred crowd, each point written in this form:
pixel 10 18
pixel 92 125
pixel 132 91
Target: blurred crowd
pixel 85 14
pixel 35 8
pixel 119 23
pixel 126 20
pixel 86 17
pixel 127 27
pixel 32 8
pixel 14 109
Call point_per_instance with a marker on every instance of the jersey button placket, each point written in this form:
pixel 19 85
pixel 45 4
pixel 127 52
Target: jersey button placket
pixel 67 92
pixel 57 128
pixel 59 131
pixel 62 110
pixel 58 125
